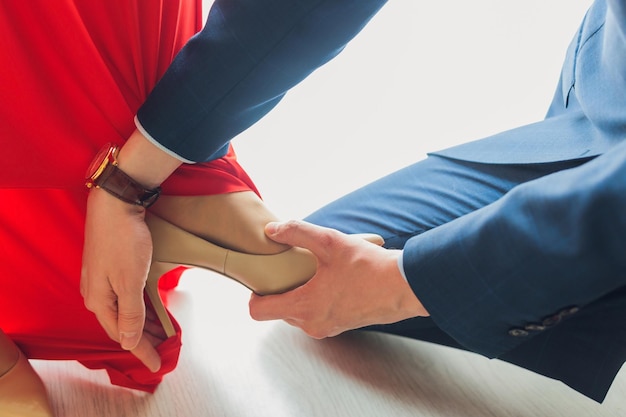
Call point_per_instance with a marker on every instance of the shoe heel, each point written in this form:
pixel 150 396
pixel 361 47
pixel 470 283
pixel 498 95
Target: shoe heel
pixel 157 270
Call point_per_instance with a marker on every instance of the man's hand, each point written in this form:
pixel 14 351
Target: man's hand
pixel 357 284
pixel 116 259
pixel 118 251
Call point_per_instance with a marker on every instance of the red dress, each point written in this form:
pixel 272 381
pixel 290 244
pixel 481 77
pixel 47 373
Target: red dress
pixel 74 73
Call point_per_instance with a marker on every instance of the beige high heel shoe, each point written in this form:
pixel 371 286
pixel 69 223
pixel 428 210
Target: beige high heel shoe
pixel 262 274
pixel 22 393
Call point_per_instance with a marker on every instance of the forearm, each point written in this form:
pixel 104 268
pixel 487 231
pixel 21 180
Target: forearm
pixel 249 54
pixel 549 244
pixel 145 162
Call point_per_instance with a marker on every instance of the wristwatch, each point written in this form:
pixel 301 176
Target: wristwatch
pixel 104 173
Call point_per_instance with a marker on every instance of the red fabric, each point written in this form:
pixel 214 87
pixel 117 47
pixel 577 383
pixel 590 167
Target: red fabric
pixel 74 73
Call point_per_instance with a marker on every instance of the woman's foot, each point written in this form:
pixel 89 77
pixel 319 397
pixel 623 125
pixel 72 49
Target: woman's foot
pixel 233 221
pixel 224 233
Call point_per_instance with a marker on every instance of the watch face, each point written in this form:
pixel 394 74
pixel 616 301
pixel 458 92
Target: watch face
pixel 100 162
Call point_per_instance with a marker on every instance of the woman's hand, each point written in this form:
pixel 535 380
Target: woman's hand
pixel 356 284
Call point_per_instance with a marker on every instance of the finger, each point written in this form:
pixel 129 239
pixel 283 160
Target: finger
pixel 270 307
pixel 294 323
pixel 301 234
pixel 105 310
pixel 108 321
pixel 147 354
pixel 130 319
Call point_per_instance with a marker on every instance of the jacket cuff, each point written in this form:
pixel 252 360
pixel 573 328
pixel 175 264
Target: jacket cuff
pixel 156 143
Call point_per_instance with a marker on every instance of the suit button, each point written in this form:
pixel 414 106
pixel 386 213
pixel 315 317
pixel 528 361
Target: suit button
pixel 518 332
pixel 552 320
pixel 534 327
pixel 569 311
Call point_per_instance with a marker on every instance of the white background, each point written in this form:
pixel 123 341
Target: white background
pixel 421 76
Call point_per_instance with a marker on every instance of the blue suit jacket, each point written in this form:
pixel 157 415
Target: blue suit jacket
pixel 537 278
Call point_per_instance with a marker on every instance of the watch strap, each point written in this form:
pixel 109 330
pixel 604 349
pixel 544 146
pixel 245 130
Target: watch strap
pixel 119 184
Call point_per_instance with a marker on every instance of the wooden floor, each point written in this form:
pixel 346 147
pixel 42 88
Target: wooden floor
pixel 232 366
pixel 422 76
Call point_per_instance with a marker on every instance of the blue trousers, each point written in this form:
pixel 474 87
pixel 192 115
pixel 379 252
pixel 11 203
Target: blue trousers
pixel 437 190
pixel 425 195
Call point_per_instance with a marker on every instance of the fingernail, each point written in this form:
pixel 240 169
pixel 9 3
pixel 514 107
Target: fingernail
pixel 127 340
pixel 154 368
pixel 271 228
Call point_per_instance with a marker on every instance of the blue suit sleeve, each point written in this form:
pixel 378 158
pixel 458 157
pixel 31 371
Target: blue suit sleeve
pixel 249 54
pixel 548 245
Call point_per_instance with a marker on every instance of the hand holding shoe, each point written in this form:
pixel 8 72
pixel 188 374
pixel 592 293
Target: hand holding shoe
pixel 356 284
